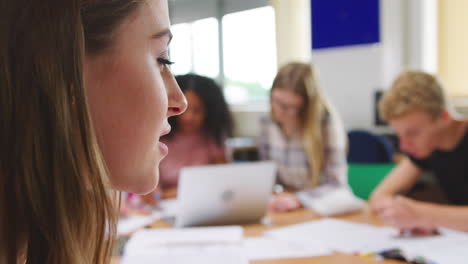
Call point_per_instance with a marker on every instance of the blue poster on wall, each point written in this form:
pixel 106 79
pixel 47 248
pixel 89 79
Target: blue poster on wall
pixel 338 23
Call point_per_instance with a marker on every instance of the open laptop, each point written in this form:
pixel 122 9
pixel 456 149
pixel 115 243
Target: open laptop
pixel 224 194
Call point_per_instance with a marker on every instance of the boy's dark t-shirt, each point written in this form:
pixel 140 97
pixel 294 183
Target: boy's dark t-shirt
pixel 450 169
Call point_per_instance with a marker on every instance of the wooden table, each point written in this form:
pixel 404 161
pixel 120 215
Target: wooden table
pixel 284 219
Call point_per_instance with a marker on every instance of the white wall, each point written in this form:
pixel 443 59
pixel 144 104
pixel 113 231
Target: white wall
pixel 453 50
pixel 453 54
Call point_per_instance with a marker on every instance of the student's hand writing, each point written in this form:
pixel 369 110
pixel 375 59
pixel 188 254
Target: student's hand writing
pixel 284 202
pixel 403 213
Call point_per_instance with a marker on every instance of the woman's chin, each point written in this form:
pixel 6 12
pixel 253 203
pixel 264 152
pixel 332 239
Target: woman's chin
pixel 140 185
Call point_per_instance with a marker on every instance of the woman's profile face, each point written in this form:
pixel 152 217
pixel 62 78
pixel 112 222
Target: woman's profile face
pixel 131 93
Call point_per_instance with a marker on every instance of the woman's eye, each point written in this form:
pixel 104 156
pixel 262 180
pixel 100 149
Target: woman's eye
pixel 165 62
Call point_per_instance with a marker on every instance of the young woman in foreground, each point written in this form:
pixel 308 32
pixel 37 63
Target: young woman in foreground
pixel 85 96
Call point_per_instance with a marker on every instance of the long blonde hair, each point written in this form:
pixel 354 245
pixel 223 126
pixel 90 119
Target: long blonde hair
pixel 56 205
pixel 301 79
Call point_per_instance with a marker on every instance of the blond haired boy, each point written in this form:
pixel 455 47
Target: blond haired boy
pixel 416 108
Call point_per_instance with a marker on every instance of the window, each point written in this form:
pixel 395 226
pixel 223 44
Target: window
pixel 194 48
pixel 181 49
pixel 248 52
pixel 205 47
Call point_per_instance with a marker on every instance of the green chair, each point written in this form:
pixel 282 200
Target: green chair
pixel 363 178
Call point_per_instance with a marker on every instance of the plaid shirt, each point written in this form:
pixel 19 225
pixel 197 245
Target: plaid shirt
pixel 291 158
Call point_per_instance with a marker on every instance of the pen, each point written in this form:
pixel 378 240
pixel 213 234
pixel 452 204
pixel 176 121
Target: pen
pixel 394 253
pixel 397 254
pixel 421 260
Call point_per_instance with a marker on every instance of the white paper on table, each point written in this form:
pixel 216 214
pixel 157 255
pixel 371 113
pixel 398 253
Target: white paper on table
pixel 454 255
pixel 338 235
pixel 131 223
pixel 205 245
pixel 260 248
pixel 188 255
pixel 449 247
pixel 183 237
pixel 330 200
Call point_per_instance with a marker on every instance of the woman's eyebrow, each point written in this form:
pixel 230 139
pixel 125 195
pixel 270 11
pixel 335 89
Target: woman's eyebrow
pixel 164 33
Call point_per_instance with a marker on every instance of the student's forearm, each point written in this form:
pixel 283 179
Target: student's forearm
pixel 449 216
pixel 401 178
pixel 383 192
